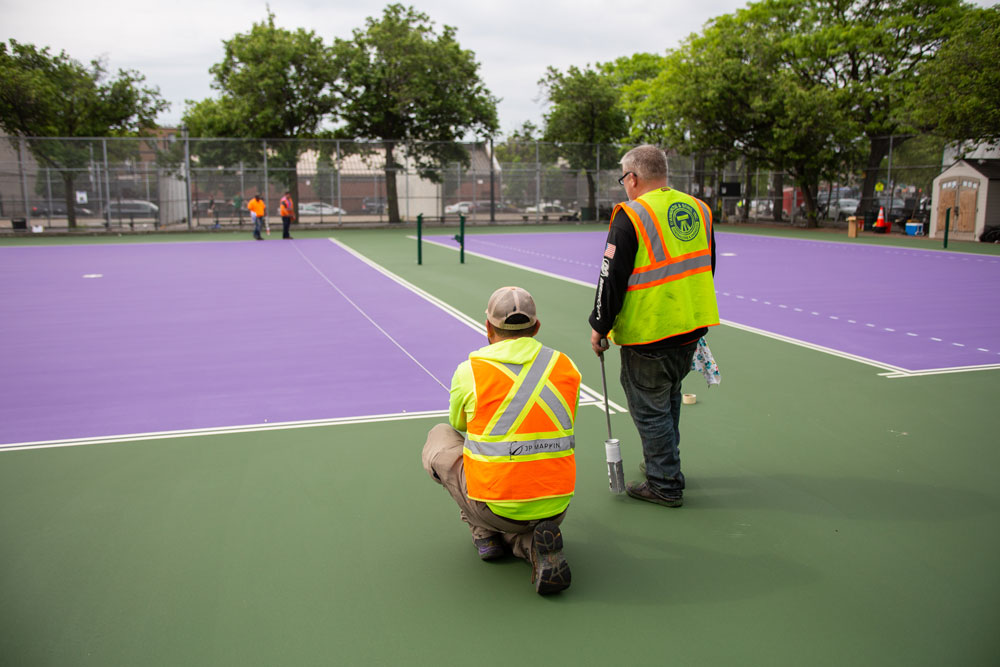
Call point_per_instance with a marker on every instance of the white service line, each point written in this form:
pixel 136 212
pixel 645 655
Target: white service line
pixel 368 317
pixel 588 396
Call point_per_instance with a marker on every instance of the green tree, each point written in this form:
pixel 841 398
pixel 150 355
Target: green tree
pixel 274 84
pixel 871 52
pixel 46 95
pixel 958 96
pixel 585 113
pixel 410 87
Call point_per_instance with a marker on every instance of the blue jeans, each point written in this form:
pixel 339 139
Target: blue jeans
pixel 258 224
pixel 652 383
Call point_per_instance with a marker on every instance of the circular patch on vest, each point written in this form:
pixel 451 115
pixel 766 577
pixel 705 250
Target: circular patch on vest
pixel 683 221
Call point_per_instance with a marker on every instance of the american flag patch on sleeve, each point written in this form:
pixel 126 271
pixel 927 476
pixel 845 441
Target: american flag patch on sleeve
pixel 609 251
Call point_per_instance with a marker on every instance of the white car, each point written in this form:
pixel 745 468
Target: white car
pixel 460 207
pixel 842 209
pixel 320 208
pixel 546 208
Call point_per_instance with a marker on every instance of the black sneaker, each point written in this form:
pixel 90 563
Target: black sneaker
pixel 490 548
pixel 549 569
pixel 643 492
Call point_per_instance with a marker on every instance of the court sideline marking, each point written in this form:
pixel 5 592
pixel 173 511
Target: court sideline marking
pixel 889 371
pixel 588 395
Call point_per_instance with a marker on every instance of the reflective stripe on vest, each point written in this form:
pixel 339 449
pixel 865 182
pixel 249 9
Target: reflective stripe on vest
pixel 505 463
pixel 672 266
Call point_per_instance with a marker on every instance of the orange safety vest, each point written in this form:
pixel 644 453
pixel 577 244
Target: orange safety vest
pixel 286 206
pixel 257 206
pixel 519 444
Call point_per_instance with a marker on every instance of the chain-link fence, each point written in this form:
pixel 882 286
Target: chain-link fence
pixel 176 183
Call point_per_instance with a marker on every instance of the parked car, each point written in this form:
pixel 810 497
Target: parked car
pixel 461 207
pixel 58 210
pixel 320 208
pixel 545 207
pixel 374 205
pixel 126 209
pixel 842 209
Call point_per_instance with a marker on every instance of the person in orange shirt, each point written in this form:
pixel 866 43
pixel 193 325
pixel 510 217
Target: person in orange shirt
pixel 258 209
pixel 287 214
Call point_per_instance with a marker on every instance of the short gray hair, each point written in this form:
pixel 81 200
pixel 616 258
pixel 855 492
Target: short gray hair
pixel 647 161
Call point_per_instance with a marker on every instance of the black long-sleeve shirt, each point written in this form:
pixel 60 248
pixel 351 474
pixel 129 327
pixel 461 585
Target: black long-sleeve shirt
pixel 612 284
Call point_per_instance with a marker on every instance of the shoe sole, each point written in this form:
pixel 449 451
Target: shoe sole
pixel 552 573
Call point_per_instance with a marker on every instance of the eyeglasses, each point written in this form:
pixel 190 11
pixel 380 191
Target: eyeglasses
pixel 621 181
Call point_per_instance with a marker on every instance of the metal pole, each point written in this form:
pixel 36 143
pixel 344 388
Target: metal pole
pixel 597 194
pixel 243 191
pixel 420 238
pixel 340 217
pixel 888 176
pixel 538 186
pixel 493 200
pixel 24 182
pixel 461 239
pixel 187 173
pixel 48 188
pixel 266 179
pixel 107 184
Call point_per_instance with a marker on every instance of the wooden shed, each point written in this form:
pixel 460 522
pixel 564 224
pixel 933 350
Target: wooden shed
pixel 970 189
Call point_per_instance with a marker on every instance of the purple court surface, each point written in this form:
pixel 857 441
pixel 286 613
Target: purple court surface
pixel 902 309
pixel 118 339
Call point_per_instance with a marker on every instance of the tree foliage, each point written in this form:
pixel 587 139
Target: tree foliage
pixel 958 95
pixel 584 114
pixel 47 95
pixel 407 85
pixel 273 83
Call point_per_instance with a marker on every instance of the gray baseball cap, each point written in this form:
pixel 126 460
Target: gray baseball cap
pixel 512 309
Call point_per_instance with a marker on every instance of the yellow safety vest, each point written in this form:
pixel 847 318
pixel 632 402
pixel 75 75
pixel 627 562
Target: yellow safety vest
pixel 671 290
pixel 519 444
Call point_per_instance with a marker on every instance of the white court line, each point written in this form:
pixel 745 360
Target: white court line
pixel 892 372
pixel 221 430
pixel 588 396
pixel 373 322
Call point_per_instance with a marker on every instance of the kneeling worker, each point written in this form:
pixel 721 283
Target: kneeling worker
pixel 514 471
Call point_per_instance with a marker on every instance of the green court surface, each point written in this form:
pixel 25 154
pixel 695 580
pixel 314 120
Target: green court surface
pixel 832 517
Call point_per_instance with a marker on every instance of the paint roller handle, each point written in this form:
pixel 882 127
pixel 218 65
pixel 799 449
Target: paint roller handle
pixel 604 383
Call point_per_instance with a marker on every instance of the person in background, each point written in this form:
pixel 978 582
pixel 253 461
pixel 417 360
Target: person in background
pixel 287 214
pixel 258 209
pixel 507 454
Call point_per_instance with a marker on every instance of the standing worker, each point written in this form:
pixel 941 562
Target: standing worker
pixel 513 471
pixel 287 214
pixel 257 211
pixel 655 298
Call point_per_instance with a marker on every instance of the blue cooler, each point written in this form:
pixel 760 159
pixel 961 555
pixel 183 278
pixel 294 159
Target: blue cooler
pixel 914 229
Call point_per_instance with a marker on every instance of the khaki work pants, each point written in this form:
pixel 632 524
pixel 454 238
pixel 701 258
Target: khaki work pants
pixel 442 458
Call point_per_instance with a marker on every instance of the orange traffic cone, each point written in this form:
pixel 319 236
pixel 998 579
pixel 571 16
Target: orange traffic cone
pixel 880 226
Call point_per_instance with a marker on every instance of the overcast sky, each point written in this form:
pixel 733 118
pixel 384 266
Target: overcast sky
pixel 174 42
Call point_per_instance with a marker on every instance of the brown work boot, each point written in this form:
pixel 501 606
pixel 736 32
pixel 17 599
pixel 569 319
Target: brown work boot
pixel 644 492
pixel 549 569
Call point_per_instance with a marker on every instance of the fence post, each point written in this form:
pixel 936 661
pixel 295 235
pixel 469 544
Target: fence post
pixel 420 238
pixel 187 177
pixel 340 216
pixel 538 185
pixel 267 182
pixel 107 184
pixel 24 182
pixel 947 220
